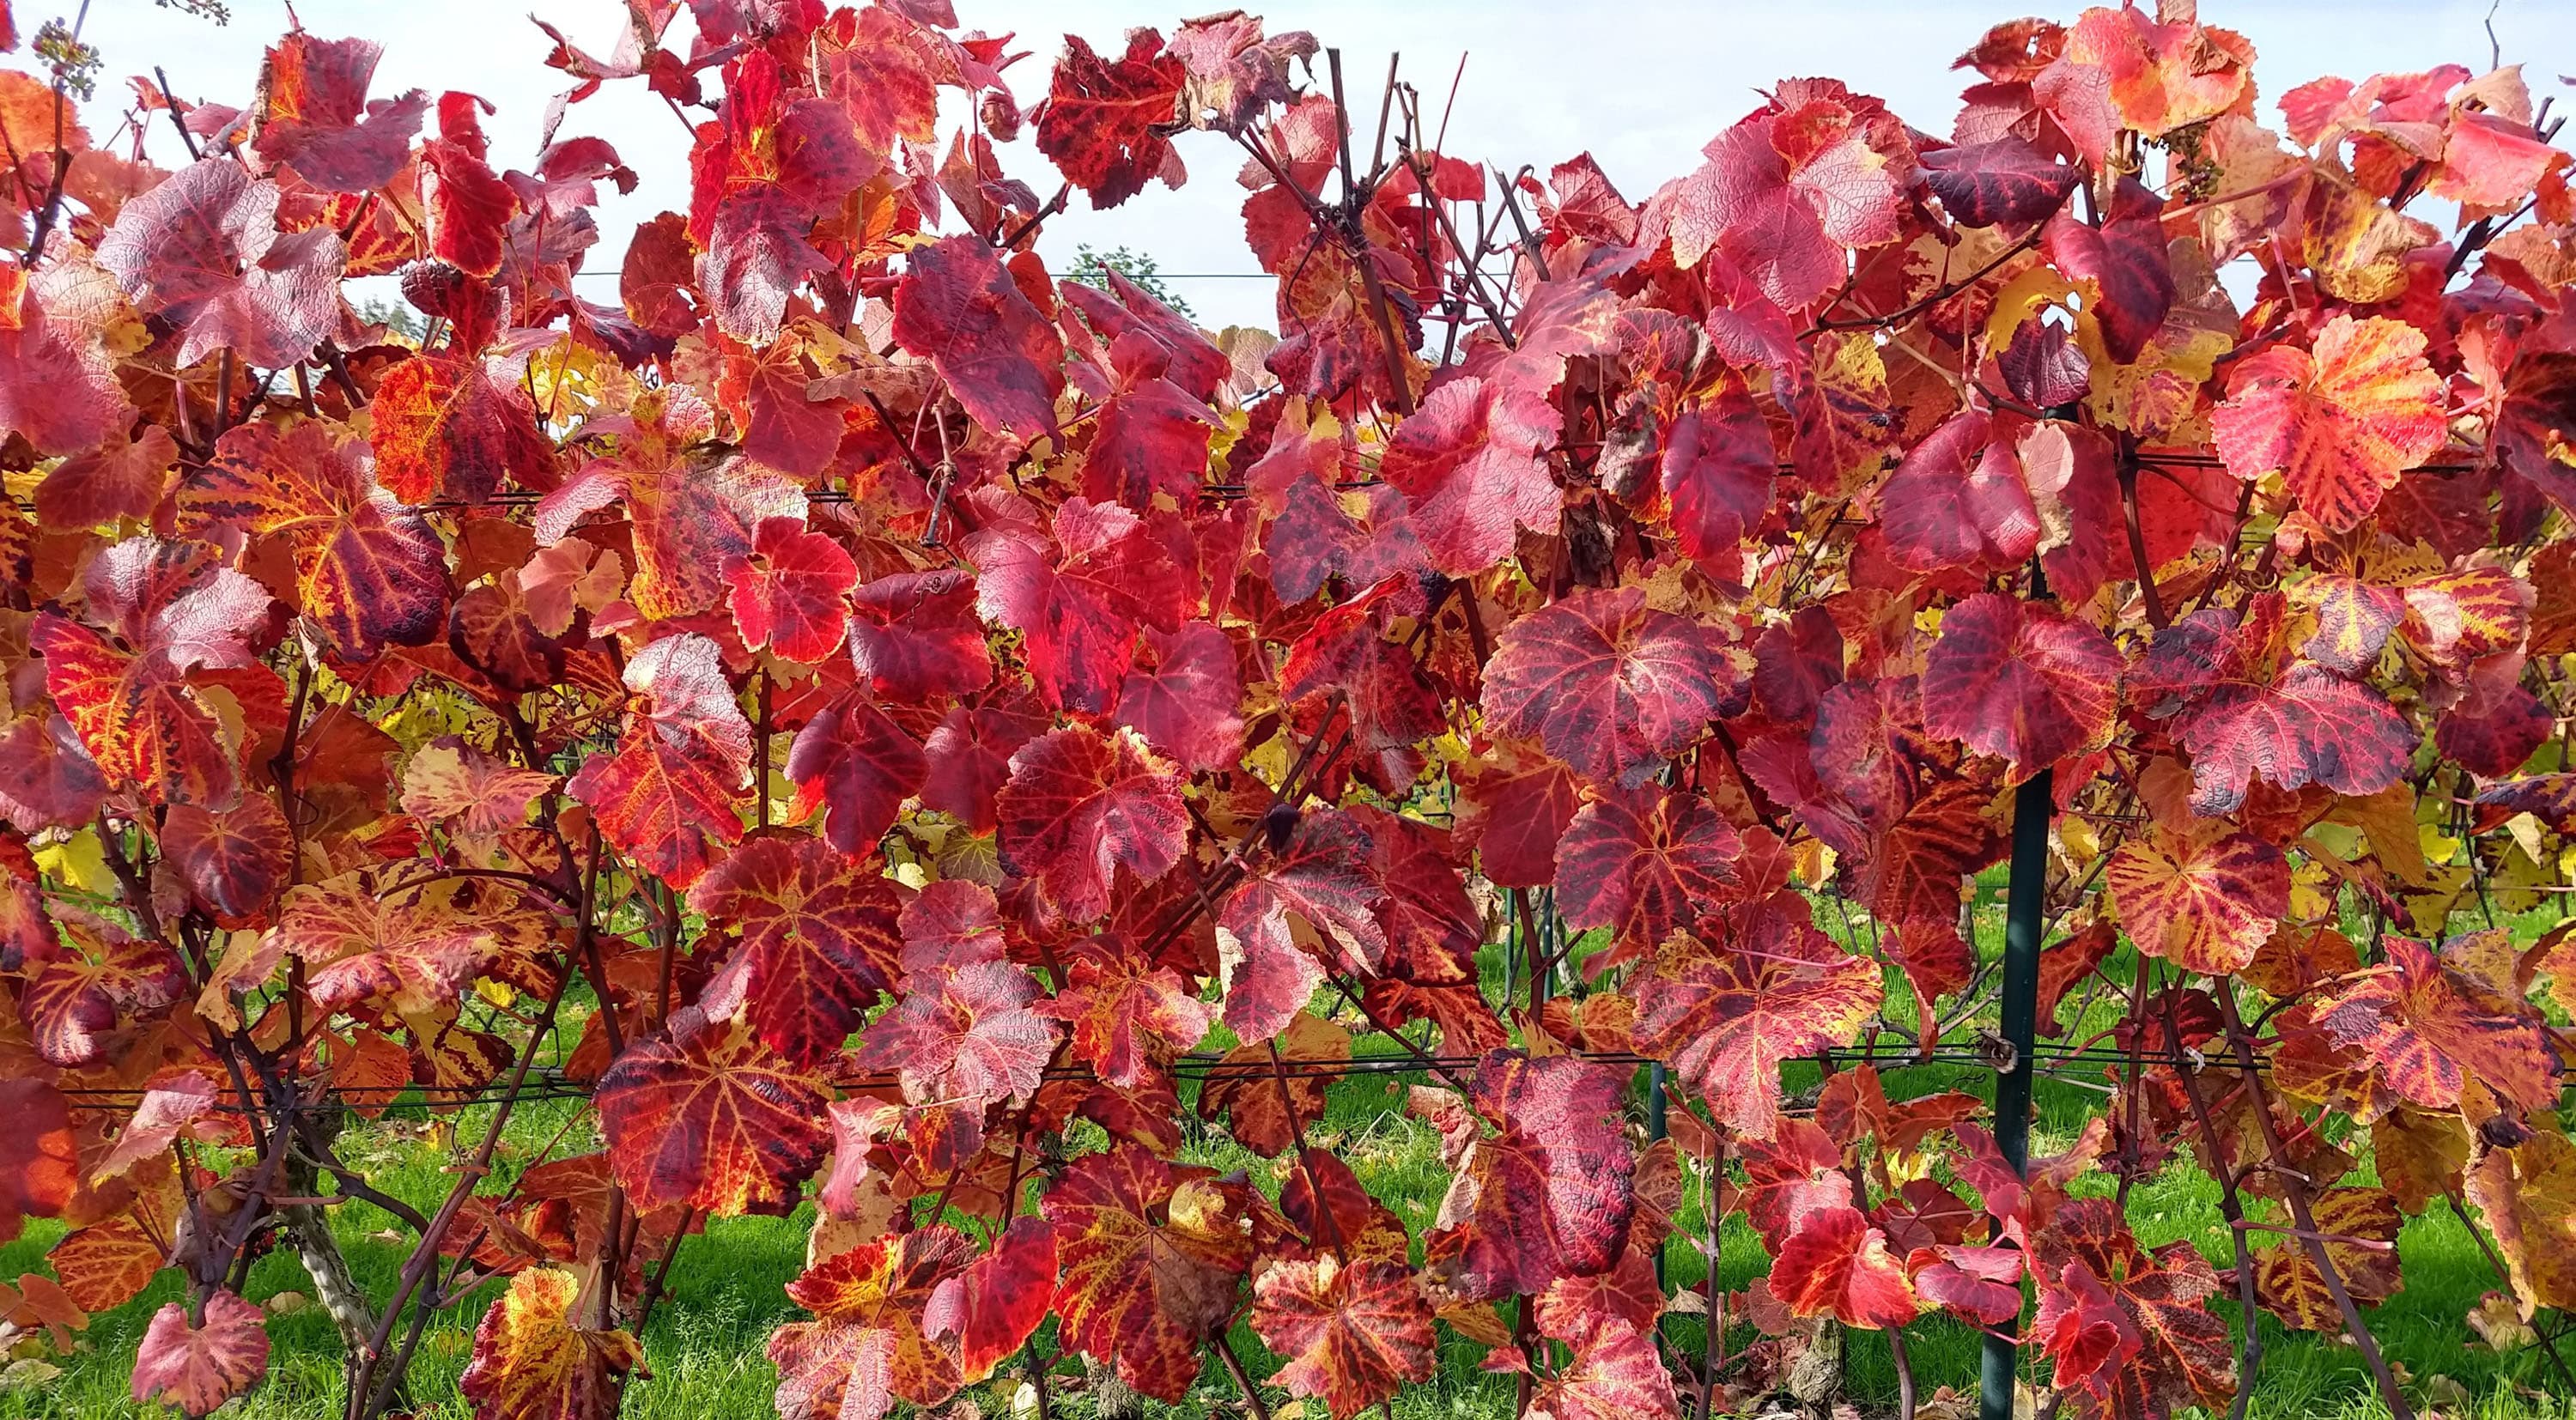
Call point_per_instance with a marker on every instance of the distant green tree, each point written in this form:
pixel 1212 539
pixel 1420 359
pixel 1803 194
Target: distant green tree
pixel 1092 268
pixel 401 319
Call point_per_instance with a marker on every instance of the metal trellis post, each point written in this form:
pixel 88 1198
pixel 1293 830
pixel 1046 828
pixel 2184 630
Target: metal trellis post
pixel 2023 892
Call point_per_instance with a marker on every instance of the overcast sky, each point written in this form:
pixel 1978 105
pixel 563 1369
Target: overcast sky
pixel 1640 84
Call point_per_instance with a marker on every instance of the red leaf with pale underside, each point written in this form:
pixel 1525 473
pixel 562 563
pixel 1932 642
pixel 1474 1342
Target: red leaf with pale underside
pixel 198 1368
pixel 203 250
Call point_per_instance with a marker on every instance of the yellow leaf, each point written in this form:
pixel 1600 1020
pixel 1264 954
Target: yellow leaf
pixel 80 862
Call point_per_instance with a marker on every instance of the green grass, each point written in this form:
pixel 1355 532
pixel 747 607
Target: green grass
pixel 705 1344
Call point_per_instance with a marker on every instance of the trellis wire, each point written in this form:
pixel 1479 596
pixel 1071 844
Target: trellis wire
pixel 1204 1067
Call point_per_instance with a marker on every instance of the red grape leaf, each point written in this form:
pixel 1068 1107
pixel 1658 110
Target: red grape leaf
pixel 1719 474
pixel 58 389
pixel 1319 873
pixel 2495 740
pixel 468 206
pixel 667 796
pixel 235 862
pixel 913 636
pixel 2020 682
pixel 964 1031
pixel 1104 120
pixel 166 1109
pixel 402 937
pixel 1572 1308
pixel 1354 1334
pixel 1079 806
pixel 1978 1284
pixel 1246 1087
pixel 73 1004
pixel 969 759
pixel 1325 1202
pixel 1725 1016
pixel 1616 1374
pixel 2043 366
pixel 2354 620
pixel 791 591
pixel 2454 618
pixel 1836 1264
pixel 534 1361
pixel 449 782
pixel 1550 1195
pixel 314 115
pixel 2003 180
pixel 1149 435
pixel 1959 498
pixel 444 426
pixel 819 943
pixel 1187 704
pixel 2200 897
pixel 1783 196
pixel 875 65
pixel 959 307
pixel 2124 257
pixel 1234 72
pixel 369 571
pixel 176 611
pixel 1080 598
pixel 866 1347
pixel 1797 1171
pixel 709 1119
pixel 2242 707
pixel 2428 1038
pixel 766 388
pixel 1380 682
pixel 2182 1352
pixel 2082 1328
pixel 1153 1258
pixel 1432 927
pixel 1194 365
pixel 991 1308
pixel 2338 422
pixel 1610 685
pixel 40 1164
pixel 1513 808
pixel 689 514
pixel 203 251
pixel 107 1264
pixel 198 1368
pixel 1643 863
pixel 2155 76
pixel 1471 460
pixel 1129 1017
pixel 108 480
pixel 856 764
